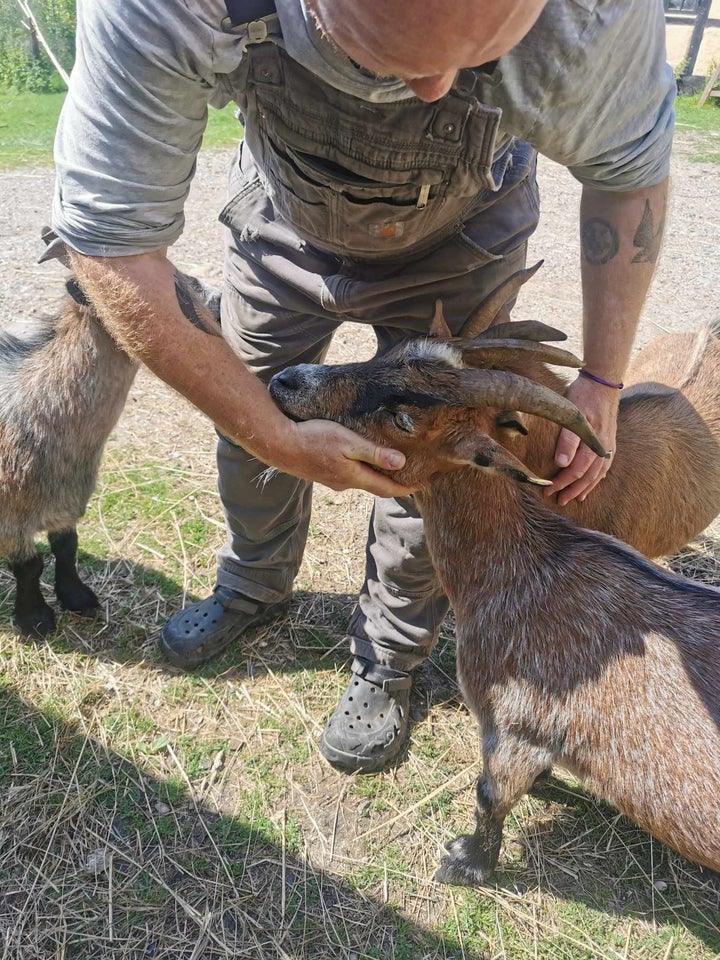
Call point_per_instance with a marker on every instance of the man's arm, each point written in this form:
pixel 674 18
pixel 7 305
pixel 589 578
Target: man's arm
pixel 560 91
pixel 135 298
pixel 621 235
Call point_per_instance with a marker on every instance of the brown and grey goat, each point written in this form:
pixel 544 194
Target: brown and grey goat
pixel 63 385
pixel 572 647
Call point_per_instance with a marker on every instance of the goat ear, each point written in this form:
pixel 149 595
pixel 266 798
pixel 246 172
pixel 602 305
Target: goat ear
pixel 77 292
pixel 487 454
pixel 439 328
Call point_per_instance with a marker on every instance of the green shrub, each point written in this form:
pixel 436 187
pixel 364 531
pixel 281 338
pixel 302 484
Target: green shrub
pixel 24 65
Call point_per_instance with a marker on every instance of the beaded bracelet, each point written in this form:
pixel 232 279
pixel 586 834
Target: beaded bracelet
pixel 606 383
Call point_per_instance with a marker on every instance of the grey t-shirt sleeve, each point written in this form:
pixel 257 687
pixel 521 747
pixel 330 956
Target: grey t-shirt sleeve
pixel 131 126
pixel 590 88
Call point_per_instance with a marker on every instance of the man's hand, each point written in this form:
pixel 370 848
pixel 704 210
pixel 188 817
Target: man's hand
pixel 328 453
pixel 581 469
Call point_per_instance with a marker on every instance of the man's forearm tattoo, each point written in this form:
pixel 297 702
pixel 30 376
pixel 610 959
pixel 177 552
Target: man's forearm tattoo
pixel 188 305
pixel 646 238
pixel 600 241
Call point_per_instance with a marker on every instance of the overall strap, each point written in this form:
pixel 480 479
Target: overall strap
pixel 242 13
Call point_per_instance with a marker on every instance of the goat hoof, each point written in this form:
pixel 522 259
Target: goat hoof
pixel 463 866
pixel 88 612
pixel 37 625
pixel 79 599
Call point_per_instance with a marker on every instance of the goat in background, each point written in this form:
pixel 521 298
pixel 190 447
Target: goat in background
pixel 572 647
pixel 63 385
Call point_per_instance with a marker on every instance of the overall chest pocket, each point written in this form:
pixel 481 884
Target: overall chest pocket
pixel 343 208
pixel 363 180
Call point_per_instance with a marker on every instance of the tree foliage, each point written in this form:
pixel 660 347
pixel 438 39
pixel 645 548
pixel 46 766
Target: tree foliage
pixel 23 63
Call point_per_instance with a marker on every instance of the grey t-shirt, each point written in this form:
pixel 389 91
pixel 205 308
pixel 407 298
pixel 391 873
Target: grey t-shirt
pixel 588 87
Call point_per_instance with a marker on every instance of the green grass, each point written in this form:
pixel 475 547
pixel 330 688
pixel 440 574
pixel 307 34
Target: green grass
pixel 223 129
pixel 28 121
pixel 704 123
pixel 703 119
pixel 27 127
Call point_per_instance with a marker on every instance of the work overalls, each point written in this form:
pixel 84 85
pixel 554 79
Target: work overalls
pixel 342 209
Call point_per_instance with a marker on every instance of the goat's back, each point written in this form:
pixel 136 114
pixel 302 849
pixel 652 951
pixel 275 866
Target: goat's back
pixel 609 664
pixel 672 424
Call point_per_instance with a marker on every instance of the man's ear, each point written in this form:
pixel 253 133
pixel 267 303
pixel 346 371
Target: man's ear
pixel 485 453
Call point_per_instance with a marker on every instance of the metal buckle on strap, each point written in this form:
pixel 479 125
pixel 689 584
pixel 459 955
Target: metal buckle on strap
pixel 251 16
pixel 257 30
pixel 390 680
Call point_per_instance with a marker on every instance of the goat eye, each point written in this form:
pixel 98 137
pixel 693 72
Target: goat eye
pixel 511 420
pixel 403 422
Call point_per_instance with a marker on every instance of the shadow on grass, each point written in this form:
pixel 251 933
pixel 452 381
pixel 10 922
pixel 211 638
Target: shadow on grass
pixel 98 859
pixel 580 849
pixel 187 876
pixel 137 600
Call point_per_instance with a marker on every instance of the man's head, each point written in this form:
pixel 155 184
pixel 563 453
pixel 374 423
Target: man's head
pixel 425 42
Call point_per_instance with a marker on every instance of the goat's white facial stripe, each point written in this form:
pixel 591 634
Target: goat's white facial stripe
pixel 436 351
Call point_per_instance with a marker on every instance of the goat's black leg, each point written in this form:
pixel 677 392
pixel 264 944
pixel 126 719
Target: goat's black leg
pixel 508 772
pixel 72 593
pixel 471 859
pixel 32 616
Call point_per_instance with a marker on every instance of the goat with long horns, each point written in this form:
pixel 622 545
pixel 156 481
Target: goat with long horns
pixel 572 647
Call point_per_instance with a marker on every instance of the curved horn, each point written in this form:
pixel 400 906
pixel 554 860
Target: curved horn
pixel 495 301
pixel 55 248
pixel 487 353
pixel 522 330
pixel 497 388
pixel 439 328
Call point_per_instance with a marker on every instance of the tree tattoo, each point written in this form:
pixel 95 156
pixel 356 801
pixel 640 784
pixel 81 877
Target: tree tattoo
pixel 646 238
pixel 600 241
